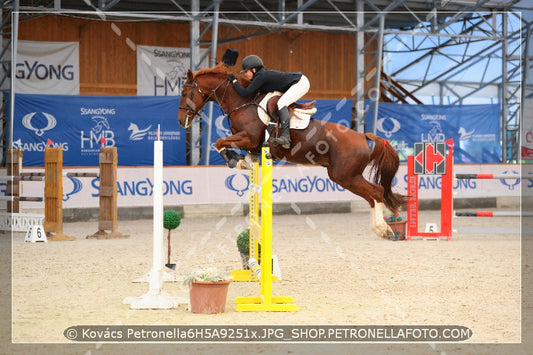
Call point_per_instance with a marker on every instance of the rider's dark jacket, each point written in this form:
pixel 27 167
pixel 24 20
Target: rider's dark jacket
pixel 266 80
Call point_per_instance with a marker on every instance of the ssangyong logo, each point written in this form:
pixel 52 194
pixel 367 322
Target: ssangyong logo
pixel 77 186
pixel 221 130
pixel 51 122
pixel 384 127
pixel 239 185
pixel 510 183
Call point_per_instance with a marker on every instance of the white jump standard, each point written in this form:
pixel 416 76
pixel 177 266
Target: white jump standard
pixel 156 298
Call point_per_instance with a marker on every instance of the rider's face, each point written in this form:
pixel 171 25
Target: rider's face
pixel 249 74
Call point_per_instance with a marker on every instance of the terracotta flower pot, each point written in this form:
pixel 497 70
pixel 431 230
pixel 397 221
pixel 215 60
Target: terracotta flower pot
pixel 208 296
pixel 399 229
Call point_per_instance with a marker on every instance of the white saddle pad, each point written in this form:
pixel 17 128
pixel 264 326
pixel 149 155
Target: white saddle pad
pixel 299 118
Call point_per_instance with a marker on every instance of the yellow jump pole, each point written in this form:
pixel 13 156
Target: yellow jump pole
pixel 265 301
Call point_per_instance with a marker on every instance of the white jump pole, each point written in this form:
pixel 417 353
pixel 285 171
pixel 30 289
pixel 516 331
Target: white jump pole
pixel 156 298
pixel 156 282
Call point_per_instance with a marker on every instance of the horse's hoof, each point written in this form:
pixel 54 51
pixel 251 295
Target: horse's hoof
pixel 232 163
pixel 383 234
pixel 390 235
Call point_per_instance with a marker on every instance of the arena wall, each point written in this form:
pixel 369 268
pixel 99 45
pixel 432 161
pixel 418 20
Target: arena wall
pixel 108 59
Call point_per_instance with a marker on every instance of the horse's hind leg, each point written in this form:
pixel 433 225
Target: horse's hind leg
pixel 373 194
pixel 377 224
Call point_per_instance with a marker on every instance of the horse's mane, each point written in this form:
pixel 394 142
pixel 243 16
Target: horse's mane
pixel 222 70
pixel 219 69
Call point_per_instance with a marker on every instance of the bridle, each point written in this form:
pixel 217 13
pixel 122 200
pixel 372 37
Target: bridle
pixel 191 112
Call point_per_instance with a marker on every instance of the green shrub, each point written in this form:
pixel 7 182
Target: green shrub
pixel 243 241
pixel 171 219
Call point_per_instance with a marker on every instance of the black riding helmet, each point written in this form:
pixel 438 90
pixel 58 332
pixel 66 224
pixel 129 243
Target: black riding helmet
pixel 250 62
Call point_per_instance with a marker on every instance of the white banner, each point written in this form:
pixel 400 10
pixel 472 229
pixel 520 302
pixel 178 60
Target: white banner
pixel 46 68
pixel 212 185
pixel 162 71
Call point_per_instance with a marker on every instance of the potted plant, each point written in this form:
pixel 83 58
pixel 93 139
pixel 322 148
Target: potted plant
pixel 397 224
pixel 243 245
pixel 171 220
pixel 208 290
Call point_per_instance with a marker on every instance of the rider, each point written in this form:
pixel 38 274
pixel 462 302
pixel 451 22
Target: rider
pixel 292 85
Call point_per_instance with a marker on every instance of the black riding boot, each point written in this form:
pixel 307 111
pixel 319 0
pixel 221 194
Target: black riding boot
pixel 284 120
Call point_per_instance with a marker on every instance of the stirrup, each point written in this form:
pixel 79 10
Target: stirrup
pixel 285 142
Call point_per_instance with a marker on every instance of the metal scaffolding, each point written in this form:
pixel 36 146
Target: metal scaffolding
pixel 445 40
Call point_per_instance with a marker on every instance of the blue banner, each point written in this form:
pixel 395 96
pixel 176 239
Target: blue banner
pixel 82 124
pixel 475 129
pixel 338 111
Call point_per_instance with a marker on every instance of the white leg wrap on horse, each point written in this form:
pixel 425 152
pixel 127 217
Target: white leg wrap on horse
pixel 377 224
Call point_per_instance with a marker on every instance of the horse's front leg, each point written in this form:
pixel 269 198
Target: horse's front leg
pixel 234 159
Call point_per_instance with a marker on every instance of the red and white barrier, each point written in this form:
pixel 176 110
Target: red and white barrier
pixel 493 214
pixel 491 176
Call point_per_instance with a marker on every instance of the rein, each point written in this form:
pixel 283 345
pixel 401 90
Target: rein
pixel 246 104
pixel 191 112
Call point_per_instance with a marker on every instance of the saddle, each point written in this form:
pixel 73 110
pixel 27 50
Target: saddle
pixel 272 106
pixel 300 113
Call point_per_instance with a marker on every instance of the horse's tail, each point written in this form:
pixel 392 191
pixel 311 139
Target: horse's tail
pixel 385 166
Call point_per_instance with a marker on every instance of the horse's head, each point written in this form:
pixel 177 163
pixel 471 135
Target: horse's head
pixel 200 88
pixel 189 104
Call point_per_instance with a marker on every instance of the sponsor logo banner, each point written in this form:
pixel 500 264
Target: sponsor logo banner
pixel 162 71
pixel 83 124
pixel 291 184
pixel 45 67
pixel 475 129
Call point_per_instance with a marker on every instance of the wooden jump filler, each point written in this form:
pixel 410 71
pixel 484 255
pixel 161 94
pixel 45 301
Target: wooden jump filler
pixel 53 195
pixel 108 193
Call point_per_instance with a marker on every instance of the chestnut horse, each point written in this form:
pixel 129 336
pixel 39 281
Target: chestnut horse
pixel 344 152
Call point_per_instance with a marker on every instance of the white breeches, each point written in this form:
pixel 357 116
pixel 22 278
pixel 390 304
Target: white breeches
pixel 295 92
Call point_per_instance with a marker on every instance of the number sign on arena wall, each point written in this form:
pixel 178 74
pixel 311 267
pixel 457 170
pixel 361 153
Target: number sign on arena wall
pixel 81 124
pixel 475 129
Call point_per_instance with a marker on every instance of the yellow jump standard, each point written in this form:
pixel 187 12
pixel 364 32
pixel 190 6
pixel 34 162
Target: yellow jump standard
pixel 255 227
pixel 265 301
